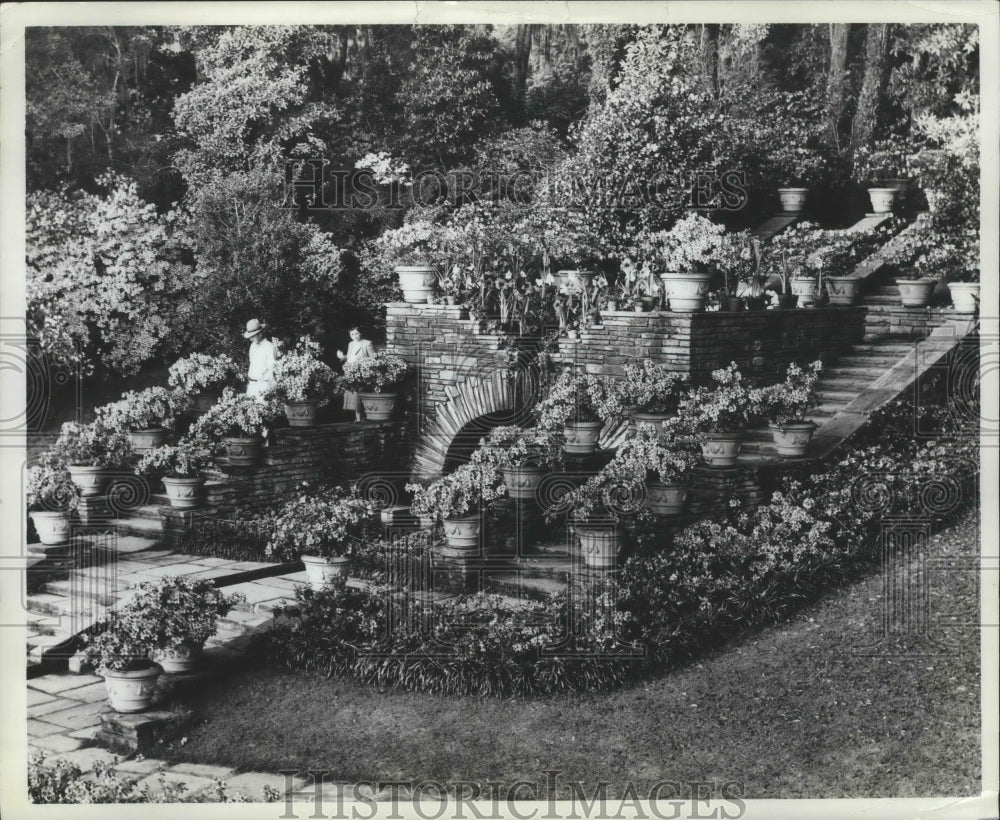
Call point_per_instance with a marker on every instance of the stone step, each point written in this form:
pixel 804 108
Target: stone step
pixel 833 395
pixel 877 299
pixel 524 587
pixel 149 512
pixel 146 527
pixel 843 384
pixel 887 347
pixel 40 645
pixel 884 360
pixel 122 544
pixel 855 371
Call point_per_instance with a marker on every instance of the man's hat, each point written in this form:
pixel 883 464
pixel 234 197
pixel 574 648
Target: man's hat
pixel 253 328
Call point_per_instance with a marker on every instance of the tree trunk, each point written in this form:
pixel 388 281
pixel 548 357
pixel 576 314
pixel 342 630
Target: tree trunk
pixel 522 57
pixel 836 81
pixel 711 44
pixel 872 85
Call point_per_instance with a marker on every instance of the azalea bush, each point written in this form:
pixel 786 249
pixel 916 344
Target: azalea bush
pixel 181 610
pixel 123 641
pixel 508 446
pixel 790 400
pixel 728 407
pixel 144 409
pixel 653 452
pixel 463 492
pixel 187 459
pixel 375 374
pixel 202 373
pixel 48 486
pixel 92 445
pixel 328 525
pixel 576 396
pixel 694 244
pixel 653 388
pixel 300 375
pixel 884 159
pixel 236 415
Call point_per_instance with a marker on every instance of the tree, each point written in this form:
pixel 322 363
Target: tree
pixel 836 83
pixel 876 75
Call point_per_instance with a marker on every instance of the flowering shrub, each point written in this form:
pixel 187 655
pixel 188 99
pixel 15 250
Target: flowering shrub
pixel 122 642
pixel 884 159
pixel 49 487
pixel 184 460
pixel 728 407
pixel 376 374
pixel 143 409
pixel 653 388
pixel 92 445
pixel 694 244
pixel 235 415
pixel 518 447
pixel 201 373
pixel 661 453
pixel 462 492
pixel 300 375
pixel 182 610
pixel 576 397
pixel 790 400
pixel 328 525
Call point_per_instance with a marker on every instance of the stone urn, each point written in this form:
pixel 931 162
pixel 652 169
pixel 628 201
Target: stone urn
pixel 581 436
pixel 243 451
pixel 146 440
pixel 417 282
pixel 791 439
pixel 522 482
pixel 721 449
pixel 656 419
pixel 321 570
pixel 915 293
pixel 842 290
pixel 686 292
pixel 180 658
pixel 805 289
pixel 378 406
pixel 301 413
pixel 88 478
pixel 599 546
pixel 882 199
pixel 132 691
pixel 666 499
pixel 793 200
pixel 52 526
pixel 463 532
pixel 184 493
pixel 964 296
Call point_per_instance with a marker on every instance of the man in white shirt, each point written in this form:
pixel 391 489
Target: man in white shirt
pixel 260 375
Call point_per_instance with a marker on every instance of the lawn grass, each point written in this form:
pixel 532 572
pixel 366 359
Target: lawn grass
pixel 821 706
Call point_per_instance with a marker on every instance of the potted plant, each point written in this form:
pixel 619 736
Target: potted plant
pixel 652 391
pixel 661 458
pixel 799 167
pixel 202 378
pixel 239 422
pixel 579 404
pixel 786 298
pixel 795 248
pixel 719 415
pixel 691 252
pixel 457 500
pixel 521 454
pixel 146 415
pixel 884 168
pixel 180 468
pixel 374 379
pixel 52 496
pixel 413 251
pixel 302 382
pixel 323 531
pixel 595 510
pixel 119 649
pixel 89 451
pixel 785 406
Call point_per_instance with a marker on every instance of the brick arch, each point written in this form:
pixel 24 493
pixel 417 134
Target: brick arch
pixel 490 394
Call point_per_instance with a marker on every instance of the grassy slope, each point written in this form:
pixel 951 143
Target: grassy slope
pixel 799 710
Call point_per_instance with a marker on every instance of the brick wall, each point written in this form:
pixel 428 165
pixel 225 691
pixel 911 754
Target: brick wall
pixel 338 453
pixel 905 322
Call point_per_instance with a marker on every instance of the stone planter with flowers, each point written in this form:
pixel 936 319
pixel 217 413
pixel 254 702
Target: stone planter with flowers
pixel 691 252
pixel 522 455
pixel 660 459
pixel 325 532
pixel 238 422
pixel 146 415
pixel 52 497
pixel 180 467
pixel 202 378
pixel 785 406
pixel 90 451
pixel 579 404
pixel 458 501
pixel 797 167
pixel 595 511
pixel 119 648
pixel 303 383
pixel 652 391
pixel 720 415
pixel 375 380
